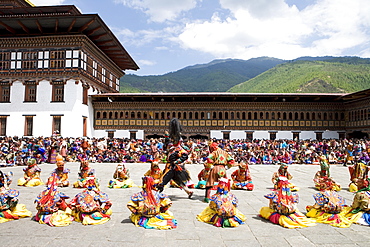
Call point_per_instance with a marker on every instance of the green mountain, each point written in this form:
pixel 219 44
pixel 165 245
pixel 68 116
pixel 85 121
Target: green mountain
pixel 216 76
pixel 332 75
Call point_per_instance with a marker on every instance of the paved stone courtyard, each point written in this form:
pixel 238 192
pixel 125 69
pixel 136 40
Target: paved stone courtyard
pixel 119 231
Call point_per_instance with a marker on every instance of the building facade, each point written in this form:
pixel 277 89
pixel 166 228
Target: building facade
pixel 52 59
pixel 235 115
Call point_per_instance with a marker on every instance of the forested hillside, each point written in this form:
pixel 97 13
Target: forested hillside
pixel 340 75
pixel 216 76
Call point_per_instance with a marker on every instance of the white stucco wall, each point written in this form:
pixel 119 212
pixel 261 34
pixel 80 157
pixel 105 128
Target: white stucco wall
pixel 72 110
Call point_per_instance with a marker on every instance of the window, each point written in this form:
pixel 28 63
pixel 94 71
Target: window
pixel 5 92
pixel 57 120
pixel 103 75
pixel 2 125
pixel 43 59
pixel 4 60
pixel 85 95
pixel 30 93
pixel 58 93
pixel 28 129
pixel 84 126
pixel 95 69
pixel 16 60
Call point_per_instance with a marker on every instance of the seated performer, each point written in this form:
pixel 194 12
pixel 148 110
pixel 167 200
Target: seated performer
pixel 61 173
pixel 283 172
pixel 121 178
pixel 52 209
pixel 283 209
pixel 359 176
pixel 203 175
pixel 155 172
pixel 322 177
pixel 176 158
pixel 360 209
pixel 149 208
pixel 85 172
pixel 31 175
pixel 242 178
pixel 10 209
pixel 329 208
pixel 222 209
pixel 91 206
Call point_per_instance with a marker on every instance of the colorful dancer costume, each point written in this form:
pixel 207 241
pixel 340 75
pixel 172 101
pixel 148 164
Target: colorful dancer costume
pixel 155 172
pixel 176 158
pixel 283 209
pixel 222 210
pixel 149 208
pixel 51 205
pixel 61 173
pixel 85 172
pixel 10 209
pixel 283 172
pixel 31 175
pixel 121 178
pixel 91 206
pixel 322 178
pixel 242 178
pixel 221 160
pixel 359 176
pixel 360 213
pixel 329 208
pixel 203 176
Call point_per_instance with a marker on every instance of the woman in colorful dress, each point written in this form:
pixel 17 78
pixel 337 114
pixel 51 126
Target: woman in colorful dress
pixel 149 208
pixel 222 210
pixel 51 205
pixel 85 172
pixel 10 209
pixel 283 209
pixel 31 175
pixel 322 177
pixel 121 178
pixel 61 173
pixel 329 208
pixel 242 178
pixel 91 206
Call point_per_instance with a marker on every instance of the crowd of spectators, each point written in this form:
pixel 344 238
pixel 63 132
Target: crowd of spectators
pixel 17 150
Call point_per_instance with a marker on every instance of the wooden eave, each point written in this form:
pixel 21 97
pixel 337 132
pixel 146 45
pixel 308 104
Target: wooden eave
pixel 46 24
pixel 219 97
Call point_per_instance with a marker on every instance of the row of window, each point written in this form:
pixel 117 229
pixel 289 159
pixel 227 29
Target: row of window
pixel 30 94
pixel 29 126
pixel 359 115
pixel 269 115
pixel 56 59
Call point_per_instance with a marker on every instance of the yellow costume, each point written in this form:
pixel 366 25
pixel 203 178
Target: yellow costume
pixel 121 178
pixel 150 208
pixel 31 175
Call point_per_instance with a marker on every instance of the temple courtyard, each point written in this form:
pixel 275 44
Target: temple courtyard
pixel 119 231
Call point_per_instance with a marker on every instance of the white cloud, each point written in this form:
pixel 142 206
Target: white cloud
pixel 47 2
pixel 143 37
pixel 147 62
pixel 160 10
pixel 273 28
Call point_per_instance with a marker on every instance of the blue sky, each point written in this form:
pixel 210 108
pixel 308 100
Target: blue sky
pixel 163 36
